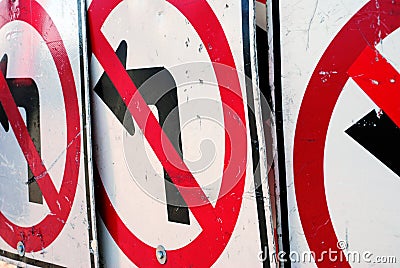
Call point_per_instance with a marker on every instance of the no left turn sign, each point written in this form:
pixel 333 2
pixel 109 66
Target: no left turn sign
pixel 196 220
pixel 27 23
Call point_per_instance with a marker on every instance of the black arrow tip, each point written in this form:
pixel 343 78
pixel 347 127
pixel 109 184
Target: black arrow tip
pixel 3 116
pixel 122 52
pixel 3 65
pixel 4 119
pixel 110 96
pixel 377 133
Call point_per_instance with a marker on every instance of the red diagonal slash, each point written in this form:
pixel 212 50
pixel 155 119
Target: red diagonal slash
pixel 379 80
pixel 159 142
pixel 28 148
pixel 180 174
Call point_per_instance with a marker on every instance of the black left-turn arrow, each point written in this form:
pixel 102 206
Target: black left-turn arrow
pixel 26 95
pixel 160 91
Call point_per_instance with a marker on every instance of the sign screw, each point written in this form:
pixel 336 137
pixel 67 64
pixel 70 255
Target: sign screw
pixel 21 248
pixel 161 254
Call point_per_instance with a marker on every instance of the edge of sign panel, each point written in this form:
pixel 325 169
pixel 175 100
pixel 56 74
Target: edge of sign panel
pixel 265 66
pixel 258 144
pixel 87 134
pixel 279 236
pixel 273 17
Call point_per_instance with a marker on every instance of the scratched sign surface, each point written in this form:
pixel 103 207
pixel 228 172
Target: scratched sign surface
pixel 45 204
pixel 340 91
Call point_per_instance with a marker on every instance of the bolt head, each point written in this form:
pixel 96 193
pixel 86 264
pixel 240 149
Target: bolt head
pixel 161 254
pixel 21 248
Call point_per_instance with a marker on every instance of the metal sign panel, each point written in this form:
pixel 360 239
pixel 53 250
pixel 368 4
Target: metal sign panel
pixel 341 119
pixel 180 159
pixel 46 201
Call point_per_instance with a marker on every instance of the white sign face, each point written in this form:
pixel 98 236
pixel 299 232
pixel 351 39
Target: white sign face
pixel 45 201
pixel 341 124
pixel 173 138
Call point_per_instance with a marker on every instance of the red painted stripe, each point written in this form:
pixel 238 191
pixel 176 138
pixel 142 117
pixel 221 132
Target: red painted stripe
pixel 379 80
pixel 262 1
pixel 147 122
pixel 158 140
